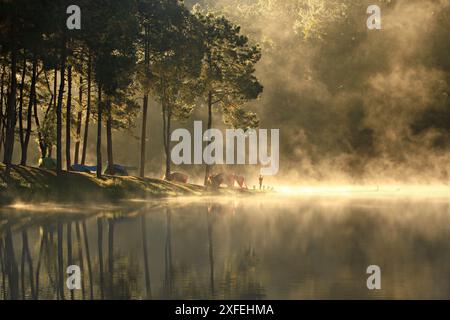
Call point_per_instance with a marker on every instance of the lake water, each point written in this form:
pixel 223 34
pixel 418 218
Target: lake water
pixel 272 247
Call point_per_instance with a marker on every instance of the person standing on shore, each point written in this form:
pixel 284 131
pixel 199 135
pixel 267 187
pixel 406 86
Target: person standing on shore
pixel 261 179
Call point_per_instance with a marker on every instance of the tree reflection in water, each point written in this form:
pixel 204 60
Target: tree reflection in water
pixel 226 250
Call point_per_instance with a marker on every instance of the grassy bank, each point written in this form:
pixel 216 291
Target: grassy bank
pixel 30 184
pixel 34 184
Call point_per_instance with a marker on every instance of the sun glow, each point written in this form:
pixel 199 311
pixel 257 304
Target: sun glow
pixel 434 191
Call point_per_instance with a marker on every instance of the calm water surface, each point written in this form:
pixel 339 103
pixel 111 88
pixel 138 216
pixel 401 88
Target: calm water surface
pixel 233 248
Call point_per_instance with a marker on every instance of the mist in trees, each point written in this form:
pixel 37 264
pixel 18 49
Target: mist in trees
pixel 126 56
pixel 355 105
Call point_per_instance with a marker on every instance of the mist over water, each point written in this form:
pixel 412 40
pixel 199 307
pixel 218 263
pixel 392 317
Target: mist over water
pixel 354 106
pixel 234 248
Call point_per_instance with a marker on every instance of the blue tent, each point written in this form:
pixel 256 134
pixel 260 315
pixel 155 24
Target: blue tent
pixel 83 168
pixel 119 170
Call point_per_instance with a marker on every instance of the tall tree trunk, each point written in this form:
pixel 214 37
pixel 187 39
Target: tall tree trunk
pixel 166 114
pixel 88 111
pixel 109 140
pixel 59 112
pixel 143 136
pixel 55 104
pixel 79 117
pixel 99 134
pixel 3 273
pixel 2 113
pixel 11 114
pixel 42 143
pixel 31 102
pixel 68 117
pixel 208 168
pixel 20 113
pixel 55 88
pixel 144 109
pixel 168 128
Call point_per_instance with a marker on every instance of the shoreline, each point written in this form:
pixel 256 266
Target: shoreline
pixel 36 185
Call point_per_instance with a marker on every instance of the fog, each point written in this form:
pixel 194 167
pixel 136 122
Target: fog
pixel 354 106
pixel 349 100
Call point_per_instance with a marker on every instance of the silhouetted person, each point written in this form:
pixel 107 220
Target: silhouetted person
pixel 261 180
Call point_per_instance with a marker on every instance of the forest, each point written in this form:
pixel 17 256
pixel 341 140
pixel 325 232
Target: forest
pixel 60 84
pixel 354 105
